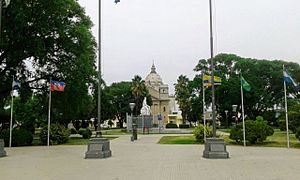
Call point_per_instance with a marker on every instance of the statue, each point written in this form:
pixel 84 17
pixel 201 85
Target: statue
pixel 146 108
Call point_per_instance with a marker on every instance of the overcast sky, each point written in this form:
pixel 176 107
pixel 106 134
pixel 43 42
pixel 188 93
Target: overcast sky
pixel 175 34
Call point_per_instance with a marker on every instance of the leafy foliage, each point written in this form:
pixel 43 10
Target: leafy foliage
pixel 256 131
pixel 184 126
pixel 265 78
pixel 20 137
pixel 120 96
pixel 199 132
pixel 298 133
pixel 58 134
pixel 86 133
pixel 171 125
pixel 43 39
pixel 139 91
pixel 183 93
pixel 73 131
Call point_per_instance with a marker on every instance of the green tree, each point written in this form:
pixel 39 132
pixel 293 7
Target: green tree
pixel 195 113
pixel 29 113
pixel 265 78
pixel 121 95
pixel 43 39
pixel 183 94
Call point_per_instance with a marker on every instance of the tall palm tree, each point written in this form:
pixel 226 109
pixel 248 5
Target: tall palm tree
pixel 139 91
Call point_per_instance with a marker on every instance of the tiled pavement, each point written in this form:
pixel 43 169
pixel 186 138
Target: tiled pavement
pixel 146 160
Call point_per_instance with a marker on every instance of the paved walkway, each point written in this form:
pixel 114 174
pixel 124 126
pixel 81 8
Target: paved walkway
pixel 146 160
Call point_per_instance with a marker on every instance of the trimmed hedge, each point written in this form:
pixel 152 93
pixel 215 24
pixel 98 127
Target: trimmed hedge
pixel 20 137
pixel 184 126
pixel 86 133
pixel 170 125
pixel 58 134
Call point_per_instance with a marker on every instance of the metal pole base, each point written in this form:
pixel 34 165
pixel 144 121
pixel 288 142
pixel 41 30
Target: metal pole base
pixel 215 148
pixel 98 134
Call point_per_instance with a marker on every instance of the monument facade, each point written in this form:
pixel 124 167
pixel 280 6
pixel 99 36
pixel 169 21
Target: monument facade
pixel 159 92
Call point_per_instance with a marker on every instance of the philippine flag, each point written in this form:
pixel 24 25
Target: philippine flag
pixel 57 86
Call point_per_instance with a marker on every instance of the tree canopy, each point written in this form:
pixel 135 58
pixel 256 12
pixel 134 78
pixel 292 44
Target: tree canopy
pixel 264 76
pixel 48 39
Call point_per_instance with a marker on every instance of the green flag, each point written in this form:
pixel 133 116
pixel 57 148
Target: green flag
pixel 245 84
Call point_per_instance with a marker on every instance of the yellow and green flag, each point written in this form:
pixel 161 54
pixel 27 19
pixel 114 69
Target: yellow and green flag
pixel 207 81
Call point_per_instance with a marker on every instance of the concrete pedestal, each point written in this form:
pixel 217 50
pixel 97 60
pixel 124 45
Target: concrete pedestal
pixel 215 148
pixel 2 152
pixel 98 148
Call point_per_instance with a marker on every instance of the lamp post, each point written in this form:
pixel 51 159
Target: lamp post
pixel 234 109
pixel 226 119
pixel 134 130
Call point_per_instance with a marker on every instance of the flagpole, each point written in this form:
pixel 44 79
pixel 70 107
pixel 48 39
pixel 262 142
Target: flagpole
pixel 212 70
pixel 286 113
pixel 203 101
pixel 11 113
pixel 49 112
pixel 243 116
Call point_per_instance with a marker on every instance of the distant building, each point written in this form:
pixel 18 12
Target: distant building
pixel 162 103
pixel 175 118
pixel 208 116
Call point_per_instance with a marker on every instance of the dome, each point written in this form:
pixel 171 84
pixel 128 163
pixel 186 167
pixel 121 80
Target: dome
pixel 153 78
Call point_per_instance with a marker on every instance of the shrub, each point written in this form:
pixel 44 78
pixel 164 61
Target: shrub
pixel 256 131
pixel 184 126
pixel 20 137
pixel 294 125
pixel 86 133
pixel 80 131
pixel 199 133
pixel 110 123
pixel 58 134
pixel 282 125
pixel 298 133
pixel 154 125
pixel 73 131
pixel 170 125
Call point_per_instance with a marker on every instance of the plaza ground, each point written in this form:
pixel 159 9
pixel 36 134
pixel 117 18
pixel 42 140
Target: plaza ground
pixel 146 160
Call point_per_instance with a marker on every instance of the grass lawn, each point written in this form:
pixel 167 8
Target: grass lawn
pixel 72 141
pixel 178 140
pixel 81 141
pixel 224 130
pixel 278 139
pixel 114 132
